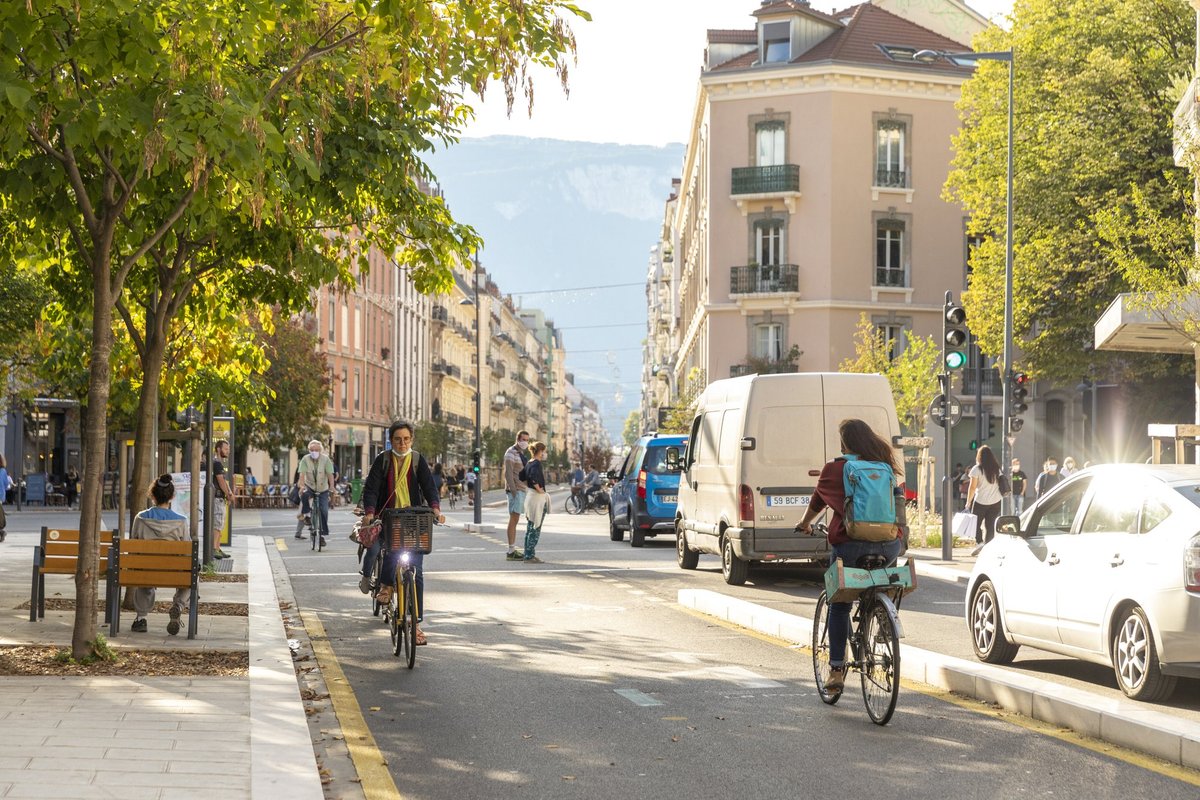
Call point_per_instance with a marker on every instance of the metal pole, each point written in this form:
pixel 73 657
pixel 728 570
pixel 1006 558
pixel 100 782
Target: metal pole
pixel 947 487
pixel 1006 448
pixel 478 516
pixel 977 354
pixel 210 490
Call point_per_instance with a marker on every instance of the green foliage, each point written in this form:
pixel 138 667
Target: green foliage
pixel 679 419
pixel 98 650
pixel 494 443
pixel 633 427
pixel 912 374
pixel 432 440
pixel 757 365
pixel 1093 107
pixel 296 388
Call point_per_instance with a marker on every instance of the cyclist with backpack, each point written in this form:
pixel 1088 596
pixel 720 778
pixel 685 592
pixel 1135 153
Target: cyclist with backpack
pixel 859 487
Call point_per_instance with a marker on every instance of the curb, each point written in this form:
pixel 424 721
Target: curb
pixel 1120 722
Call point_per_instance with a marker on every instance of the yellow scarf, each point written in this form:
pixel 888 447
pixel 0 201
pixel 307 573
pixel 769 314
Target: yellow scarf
pixel 399 481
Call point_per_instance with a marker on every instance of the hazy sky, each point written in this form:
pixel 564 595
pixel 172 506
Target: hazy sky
pixel 633 84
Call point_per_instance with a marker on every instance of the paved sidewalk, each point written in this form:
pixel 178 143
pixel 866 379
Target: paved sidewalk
pixel 155 737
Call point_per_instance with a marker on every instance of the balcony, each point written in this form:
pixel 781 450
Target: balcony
pixel 775 182
pixel 440 314
pixel 763 368
pixel 891 178
pixel 993 384
pixel 769 279
pixel 439 367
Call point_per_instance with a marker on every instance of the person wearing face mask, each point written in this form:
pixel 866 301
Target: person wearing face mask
pixel 398 478
pixel 1068 467
pixel 316 480
pixel 1019 480
pixel 515 459
pixel 1048 479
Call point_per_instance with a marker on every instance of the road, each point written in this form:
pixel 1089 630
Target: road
pixel 582 678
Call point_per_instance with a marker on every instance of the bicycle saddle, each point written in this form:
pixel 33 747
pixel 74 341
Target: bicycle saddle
pixel 872 561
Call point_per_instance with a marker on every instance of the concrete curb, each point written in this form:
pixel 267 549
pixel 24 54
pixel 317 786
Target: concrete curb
pixel 282 760
pixel 1121 722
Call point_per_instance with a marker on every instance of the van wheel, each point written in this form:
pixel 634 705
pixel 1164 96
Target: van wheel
pixel 686 556
pixel 614 533
pixel 637 536
pixel 733 569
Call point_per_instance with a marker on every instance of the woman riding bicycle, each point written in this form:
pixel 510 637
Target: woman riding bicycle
pixel 857 439
pixel 399 478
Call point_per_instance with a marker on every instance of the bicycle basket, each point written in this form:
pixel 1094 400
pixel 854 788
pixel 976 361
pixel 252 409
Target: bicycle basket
pixel 409 529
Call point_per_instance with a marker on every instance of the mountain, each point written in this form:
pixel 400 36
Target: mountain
pixel 560 215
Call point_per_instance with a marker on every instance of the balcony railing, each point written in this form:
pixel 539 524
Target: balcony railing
pixel 993 384
pixel 764 279
pixel 891 178
pixel 440 314
pixel 774 179
pixel 439 367
pixel 892 277
pixel 768 368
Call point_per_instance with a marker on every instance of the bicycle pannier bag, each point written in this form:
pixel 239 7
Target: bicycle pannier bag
pixel 870 512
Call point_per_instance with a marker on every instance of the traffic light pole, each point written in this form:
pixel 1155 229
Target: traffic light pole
pixel 478 516
pixel 947 482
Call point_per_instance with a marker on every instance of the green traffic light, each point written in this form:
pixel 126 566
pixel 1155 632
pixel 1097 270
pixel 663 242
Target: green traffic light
pixel 974 444
pixel 956 360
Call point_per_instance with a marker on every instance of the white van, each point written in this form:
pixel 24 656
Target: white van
pixel 756 447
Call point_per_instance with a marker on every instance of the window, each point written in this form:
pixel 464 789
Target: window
pixel 889 253
pixel 892 336
pixel 345 387
pixel 1154 512
pixel 731 437
pixel 1112 511
pixel 332 320
pixel 768 341
pixel 771 149
pixel 768 242
pixel 1058 515
pixel 889 154
pixel 777 42
pixel 357 389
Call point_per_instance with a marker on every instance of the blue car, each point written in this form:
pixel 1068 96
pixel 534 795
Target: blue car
pixel 646 489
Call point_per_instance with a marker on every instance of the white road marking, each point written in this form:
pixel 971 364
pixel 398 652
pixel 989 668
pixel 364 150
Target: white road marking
pixel 638 698
pixel 738 676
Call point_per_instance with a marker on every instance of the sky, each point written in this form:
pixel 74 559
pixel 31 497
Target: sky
pixel 628 70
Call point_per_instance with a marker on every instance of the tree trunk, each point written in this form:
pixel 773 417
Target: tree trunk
pixel 144 436
pixel 95 450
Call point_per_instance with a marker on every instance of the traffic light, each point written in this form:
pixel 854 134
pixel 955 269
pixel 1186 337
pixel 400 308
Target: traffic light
pixel 989 424
pixel 1017 397
pixel 954 336
pixel 973 444
pixel 475 462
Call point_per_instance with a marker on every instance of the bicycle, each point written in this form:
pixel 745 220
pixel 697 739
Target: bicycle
pixel 317 523
pixel 875 631
pixel 578 501
pixel 453 492
pixel 409 530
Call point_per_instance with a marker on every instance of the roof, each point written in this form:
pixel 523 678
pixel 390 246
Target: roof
pixel 859 40
pixel 800 6
pixel 726 36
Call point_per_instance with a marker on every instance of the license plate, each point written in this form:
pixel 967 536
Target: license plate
pixel 781 500
pixel 668 498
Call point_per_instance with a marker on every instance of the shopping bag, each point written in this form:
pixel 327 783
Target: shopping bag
pixel 964 525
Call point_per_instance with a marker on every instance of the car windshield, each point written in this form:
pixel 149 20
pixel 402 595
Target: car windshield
pixel 657 459
pixel 1190 491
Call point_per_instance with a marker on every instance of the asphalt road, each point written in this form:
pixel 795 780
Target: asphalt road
pixel 581 678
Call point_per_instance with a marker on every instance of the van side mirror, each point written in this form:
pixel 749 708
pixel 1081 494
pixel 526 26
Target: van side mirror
pixel 1009 524
pixel 749 443
pixel 611 474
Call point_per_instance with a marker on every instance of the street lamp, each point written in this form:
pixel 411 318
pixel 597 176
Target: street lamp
pixel 966 60
pixel 466 301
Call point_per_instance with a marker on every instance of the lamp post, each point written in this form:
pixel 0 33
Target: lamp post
pixel 478 498
pixel 969 59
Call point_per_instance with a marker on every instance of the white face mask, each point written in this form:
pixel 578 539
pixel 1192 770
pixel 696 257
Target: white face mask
pixel 523 445
pixel 314 454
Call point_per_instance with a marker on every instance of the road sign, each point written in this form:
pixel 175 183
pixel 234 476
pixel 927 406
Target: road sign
pixel 913 441
pixel 953 410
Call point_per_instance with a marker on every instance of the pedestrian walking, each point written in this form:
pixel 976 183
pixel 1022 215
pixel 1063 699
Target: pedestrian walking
pixel 1048 479
pixel 71 486
pixel 958 484
pixel 160 522
pixel 224 495
pixel 1068 467
pixel 537 502
pixel 514 488
pixel 1019 482
pixel 984 495
pixel 4 482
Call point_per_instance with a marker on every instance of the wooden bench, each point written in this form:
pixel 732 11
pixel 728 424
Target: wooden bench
pixel 58 554
pixel 155 564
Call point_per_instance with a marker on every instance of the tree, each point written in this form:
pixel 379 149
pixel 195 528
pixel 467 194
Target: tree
pixel 598 457
pixel 912 373
pixel 297 392
pixel 1077 62
pixel 134 134
pixel 679 419
pixel 633 427
pixel 432 440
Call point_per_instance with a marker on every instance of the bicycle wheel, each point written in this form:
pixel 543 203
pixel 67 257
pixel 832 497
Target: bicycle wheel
pixel 599 504
pixel 393 617
pixel 408 619
pixel 820 650
pixel 880 664
pixel 573 505
pixel 376 569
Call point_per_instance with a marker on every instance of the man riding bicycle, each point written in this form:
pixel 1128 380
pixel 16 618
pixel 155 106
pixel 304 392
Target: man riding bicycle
pixel 399 478
pixel 591 485
pixel 316 481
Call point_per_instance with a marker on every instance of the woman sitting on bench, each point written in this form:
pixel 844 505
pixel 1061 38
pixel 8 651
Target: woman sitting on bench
pixel 159 522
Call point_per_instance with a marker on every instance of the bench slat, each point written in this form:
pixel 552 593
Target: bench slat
pixel 152 578
pixel 63 565
pixel 183 547
pixel 156 561
pixel 68 535
pixel 70 548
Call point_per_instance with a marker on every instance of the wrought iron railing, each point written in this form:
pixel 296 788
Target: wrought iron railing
pixel 756 279
pixel 766 180
pixel 891 178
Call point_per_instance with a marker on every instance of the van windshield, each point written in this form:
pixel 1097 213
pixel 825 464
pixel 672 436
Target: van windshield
pixel 657 461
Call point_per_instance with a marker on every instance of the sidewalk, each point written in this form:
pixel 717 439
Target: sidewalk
pixel 165 738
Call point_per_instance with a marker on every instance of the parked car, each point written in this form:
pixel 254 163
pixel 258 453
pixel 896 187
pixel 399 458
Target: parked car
pixel 756 447
pixel 646 489
pixel 1105 568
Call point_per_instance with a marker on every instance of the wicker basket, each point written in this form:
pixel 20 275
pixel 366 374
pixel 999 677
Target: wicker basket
pixel 409 529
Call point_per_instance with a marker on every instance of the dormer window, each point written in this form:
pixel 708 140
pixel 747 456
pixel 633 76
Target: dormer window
pixel 777 42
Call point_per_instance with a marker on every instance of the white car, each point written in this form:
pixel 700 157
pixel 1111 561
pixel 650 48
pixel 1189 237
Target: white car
pixel 1106 568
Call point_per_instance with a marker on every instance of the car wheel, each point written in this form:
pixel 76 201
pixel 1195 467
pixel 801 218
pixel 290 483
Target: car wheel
pixel 1135 659
pixel 733 569
pixel 987 631
pixel 686 556
pixel 614 533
